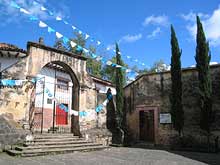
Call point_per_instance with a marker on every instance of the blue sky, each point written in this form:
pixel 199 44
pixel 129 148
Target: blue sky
pixel 141 27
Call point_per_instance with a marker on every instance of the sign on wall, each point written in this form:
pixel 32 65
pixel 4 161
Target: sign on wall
pixel 165 118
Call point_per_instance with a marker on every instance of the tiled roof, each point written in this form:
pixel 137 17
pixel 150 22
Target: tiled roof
pixel 9 47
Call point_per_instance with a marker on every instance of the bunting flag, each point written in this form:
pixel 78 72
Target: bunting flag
pixel 67 40
pixel 73 44
pixel 50 30
pixel 59 35
pixel 42 24
pixel 58 18
pixel 43 8
pixel 24 11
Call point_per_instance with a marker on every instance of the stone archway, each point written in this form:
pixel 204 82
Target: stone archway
pixel 40 55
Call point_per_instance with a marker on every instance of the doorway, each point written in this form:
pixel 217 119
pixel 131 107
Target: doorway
pixel 146 122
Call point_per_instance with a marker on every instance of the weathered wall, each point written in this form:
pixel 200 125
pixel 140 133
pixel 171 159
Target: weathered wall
pixel 16 101
pixel 153 90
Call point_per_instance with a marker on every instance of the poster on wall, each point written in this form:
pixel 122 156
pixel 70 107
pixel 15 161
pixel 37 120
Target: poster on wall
pixel 165 118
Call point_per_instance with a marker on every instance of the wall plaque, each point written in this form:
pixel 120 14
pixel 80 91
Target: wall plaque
pixel 165 118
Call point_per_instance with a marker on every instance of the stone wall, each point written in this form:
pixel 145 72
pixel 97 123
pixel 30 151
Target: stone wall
pixel 153 90
pixel 10 132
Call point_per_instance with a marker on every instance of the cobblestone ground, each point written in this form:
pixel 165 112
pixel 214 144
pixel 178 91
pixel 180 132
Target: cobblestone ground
pixel 117 156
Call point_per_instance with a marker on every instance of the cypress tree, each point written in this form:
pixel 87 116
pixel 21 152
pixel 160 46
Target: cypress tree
pixel 203 58
pixel 176 89
pixel 119 89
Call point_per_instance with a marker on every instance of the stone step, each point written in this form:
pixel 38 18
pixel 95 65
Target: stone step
pixel 57 139
pixel 40 152
pixel 19 148
pixel 54 136
pixel 80 141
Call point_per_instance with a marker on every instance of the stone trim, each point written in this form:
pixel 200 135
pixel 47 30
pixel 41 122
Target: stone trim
pixel 37 45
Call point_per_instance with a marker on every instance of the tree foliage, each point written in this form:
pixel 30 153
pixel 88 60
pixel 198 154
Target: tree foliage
pixel 119 79
pixel 109 73
pixel 203 58
pixel 176 88
pixel 59 45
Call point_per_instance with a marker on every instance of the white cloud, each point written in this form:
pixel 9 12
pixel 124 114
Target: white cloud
pixel 130 38
pixel 161 20
pixel 110 47
pixel 10 14
pixel 154 33
pixel 191 16
pixel 211 25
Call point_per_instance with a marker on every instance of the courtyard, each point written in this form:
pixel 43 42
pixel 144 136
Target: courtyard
pixel 116 156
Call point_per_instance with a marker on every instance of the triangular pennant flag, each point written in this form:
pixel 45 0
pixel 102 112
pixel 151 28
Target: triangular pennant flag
pixel 50 30
pixel 33 18
pixel 24 11
pixel 15 5
pixel 35 3
pixel 79 48
pixel 85 50
pixel 105 102
pixel 98 42
pixel 74 28
pixel 118 66
pixel 87 36
pixel 65 40
pixel 93 55
pixel 50 13
pixel 42 24
pixel 58 18
pixel 43 8
pixel 99 58
pixel 59 35
pixel 108 62
pixel 103 60
pixel 73 44
pixel 65 22
pixel 114 65
pixel 123 68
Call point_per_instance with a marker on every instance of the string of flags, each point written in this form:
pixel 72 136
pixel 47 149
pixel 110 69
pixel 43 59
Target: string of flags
pixel 66 40
pixel 86 35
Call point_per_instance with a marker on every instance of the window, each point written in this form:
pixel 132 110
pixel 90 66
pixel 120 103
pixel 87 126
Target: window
pixel 62 84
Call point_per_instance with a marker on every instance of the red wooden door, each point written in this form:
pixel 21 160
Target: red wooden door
pixel 61 116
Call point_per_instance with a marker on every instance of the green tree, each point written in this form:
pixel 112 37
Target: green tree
pixel 203 58
pixel 92 66
pixel 109 73
pixel 176 88
pixel 59 45
pixel 79 40
pixel 120 79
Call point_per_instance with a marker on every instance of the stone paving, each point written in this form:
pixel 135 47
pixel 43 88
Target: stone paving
pixel 117 156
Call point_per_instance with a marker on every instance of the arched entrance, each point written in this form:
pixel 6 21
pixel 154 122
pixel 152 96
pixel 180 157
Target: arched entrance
pixel 57 94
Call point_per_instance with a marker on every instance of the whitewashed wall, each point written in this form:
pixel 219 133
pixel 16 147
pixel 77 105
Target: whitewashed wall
pixel 6 62
pixel 48 75
pixel 103 88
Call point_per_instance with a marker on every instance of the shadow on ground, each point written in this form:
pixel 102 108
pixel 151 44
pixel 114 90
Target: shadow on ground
pixel 208 158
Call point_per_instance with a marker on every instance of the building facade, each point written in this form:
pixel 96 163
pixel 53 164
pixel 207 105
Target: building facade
pixel 55 92
pixel 147 102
